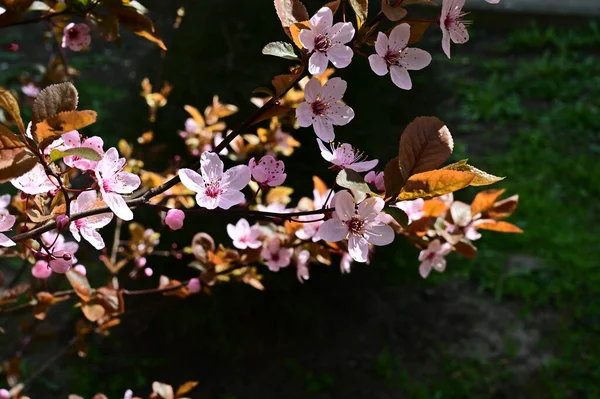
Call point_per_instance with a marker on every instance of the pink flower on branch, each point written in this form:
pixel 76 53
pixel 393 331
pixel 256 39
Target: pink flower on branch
pixel 268 171
pixel 243 235
pixel 41 270
pixel 36 181
pixel 113 182
pixel 73 140
pixel 87 227
pixel 215 187
pixel 434 257
pixel 452 25
pixel 76 36
pixel 393 55
pixel 376 179
pixel 174 219
pixel 413 209
pixel 345 157
pixel 275 256
pixel 327 42
pixel 360 226
pixel 7 221
pixel 322 108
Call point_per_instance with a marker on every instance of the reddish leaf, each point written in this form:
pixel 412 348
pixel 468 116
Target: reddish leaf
pixel 186 387
pixel 392 178
pixel 417 30
pixel 275 111
pixel 361 9
pixel 295 30
pixel 468 250
pixel 52 128
pixel 283 82
pixel 481 178
pixel 393 12
pixel 80 284
pixel 10 105
pixel 15 163
pixel 503 209
pixel 434 183
pixel 434 208
pixel 53 100
pixel 333 6
pixel 290 12
pixel 502 227
pixel 485 200
pixel 425 144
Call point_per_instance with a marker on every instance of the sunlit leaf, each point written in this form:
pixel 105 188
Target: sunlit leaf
pixel 434 183
pixel 466 249
pixel 274 111
pixel 503 209
pixel 485 200
pixel 280 49
pixel 9 103
pixel 15 163
pixel 417 30
pixel 81 152
pixel 295 30
pixel 53 100
pixel 138 23
pixel 361 9
pixel 502 227
pixel 434 208
pixel 290 12
pixel 93 311
pixel 281 83
pixel 53 127
pixel 186 387
pixel 80 284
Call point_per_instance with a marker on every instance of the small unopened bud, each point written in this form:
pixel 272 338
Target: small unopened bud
pixel 62 262
pixel 174 219
pixel 62 222
pixel 140 262
pixel 193 285
pixel 148 272
pixel 4 394
pixel 12 47
pixel 80 269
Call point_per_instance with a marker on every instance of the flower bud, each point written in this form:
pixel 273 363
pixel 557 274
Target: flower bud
pixel 12 47
pixel 175 219
pixel 62 262
pixel 62 222
pixel 80 269
pixel 148 272
pixel 4 394
pixel 140 262
pixel 193 285
pixel 41 270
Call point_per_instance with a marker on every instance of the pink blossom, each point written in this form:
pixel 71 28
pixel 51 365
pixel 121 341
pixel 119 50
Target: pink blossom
pixel 62 222
pixel 268 171
pixel 41 270
pixel 275 256
pixel 434 257
pixel 4 394
pixel 345 157
pixel 4 201
pixel 302 259
pixel 193 286
pixel 392 54
pixel 312 223
pixel 215 187
pixel 243 235
pixel 35 181
pixel 174 219
pixel 57 242
pixel 73 140
pixel 322 108
pixel 87 226
pixel 327 42
pixel 360 226
pixel 113 182
pixel 76 36
pixel 275 207
pixel 375 179
pixel 452 25
pixel 80 269
pixel 345 263
pixel 148 272
pixel 30 90
pixel 141 262
pixel 7 221
pixel 413 209
pixel 61 261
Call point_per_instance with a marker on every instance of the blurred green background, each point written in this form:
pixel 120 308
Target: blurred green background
pixel 520 321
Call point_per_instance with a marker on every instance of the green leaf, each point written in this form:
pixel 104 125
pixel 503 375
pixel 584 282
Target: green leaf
pixel 280 49
pixel 82 152
pixel 352 180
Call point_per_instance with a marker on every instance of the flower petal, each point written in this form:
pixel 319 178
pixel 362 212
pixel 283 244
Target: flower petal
pixel 415 59
pixel 237 177
pixel 340 55
pixel 425 268
pixel 304 114
pixel 381 44
pixel 364 166
pixel 378 64
pixel 311 90
pixel 325 153
pixel 211 166
pixel 322 20
pixel 380 235
pixel 358 248
pixel 317 63
pixel 343 202
pixel 369 208
pixel 333 90
pixel 323 128
pixel 340 114
pixel 7 221
pixel 333 230
pixel 93 237
pixel 5 241
pixel 109 164
pixel 342 32
pixel 98 221
pixel 205 201
pixel 399 37
pixel 86 200
pixel 230 198
pixel 446 42
pixel 191 179
pixel 117 204
pixel 459 34
pixel 125 183
pixel 307 38
pixel 400 77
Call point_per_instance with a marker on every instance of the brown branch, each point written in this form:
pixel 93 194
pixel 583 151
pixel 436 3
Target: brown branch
pixel 40 19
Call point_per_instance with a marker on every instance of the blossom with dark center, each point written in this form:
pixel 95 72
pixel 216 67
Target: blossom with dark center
pixel 327 42
pixel 87 227
pixel 216 187
pixel 76 36
pixel 343 156
pixel 360 226
pixel 393 55
pixel 452 25
pixel 322 108
pixel 434 257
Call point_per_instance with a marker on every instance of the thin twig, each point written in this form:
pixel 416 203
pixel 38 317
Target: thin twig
pixel 116 239
pixel 42 18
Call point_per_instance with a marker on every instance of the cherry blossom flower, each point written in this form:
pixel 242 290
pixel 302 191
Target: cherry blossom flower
pixel 36 181
pixel 30 90
pixel 174 219
pixel 76 36
pixel 7 221
pixel 4 201
pixel 194 285
pixel 87 226
pixel 327 42
pixel 392 54
pixel 360 226
pixel 61 261
pixel 4 394
pixel 375 179
pixel 72 139
pixel 57 242
pixel 243 235
pixel 322 108
pixel 312 223
pixel 215 187
pixel 434 257
pixel 345 157
pixel 41 270
pixel 113 182
pixel 275 207
pixel 302 259
pixel 268 171
pixel 452 25
pixel 413 209
pixel 275 256
pixel 345 263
